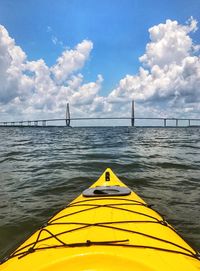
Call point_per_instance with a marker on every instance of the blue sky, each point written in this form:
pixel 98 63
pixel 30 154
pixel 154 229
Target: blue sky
pixel 117 29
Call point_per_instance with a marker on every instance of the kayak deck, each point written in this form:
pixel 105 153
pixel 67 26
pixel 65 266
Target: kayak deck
pixel 104 229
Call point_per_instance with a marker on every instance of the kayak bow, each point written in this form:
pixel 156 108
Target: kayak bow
pixel 108 227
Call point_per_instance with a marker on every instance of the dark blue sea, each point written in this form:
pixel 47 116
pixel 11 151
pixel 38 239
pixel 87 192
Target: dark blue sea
pixel 44 168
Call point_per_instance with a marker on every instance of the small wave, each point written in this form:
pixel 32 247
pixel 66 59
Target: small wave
pixel 175 165
pixel 9 159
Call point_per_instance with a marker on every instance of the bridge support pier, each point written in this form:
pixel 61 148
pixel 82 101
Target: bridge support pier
pixel 44 123
pixel 176 122
pixel 165 122
pixel 189 122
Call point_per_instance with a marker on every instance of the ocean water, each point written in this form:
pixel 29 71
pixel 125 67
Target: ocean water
pixel 43 169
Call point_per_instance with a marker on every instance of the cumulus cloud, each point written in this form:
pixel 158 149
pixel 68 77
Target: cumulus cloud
pixel 170 43
pixel 31 87
pixel 169 78
pixel 11 62
pixel 167 82
pixel 71 60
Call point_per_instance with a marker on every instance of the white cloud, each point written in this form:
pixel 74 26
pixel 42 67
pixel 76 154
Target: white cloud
pixel 86 93
pixel 170 43
pixel 11 61
pixel 169 79
pixel 32 88
pixel 71 61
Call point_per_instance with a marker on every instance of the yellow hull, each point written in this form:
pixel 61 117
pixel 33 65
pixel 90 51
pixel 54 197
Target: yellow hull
pixel 104 230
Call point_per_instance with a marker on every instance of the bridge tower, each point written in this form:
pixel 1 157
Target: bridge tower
pixel 67 116
pixel 133 114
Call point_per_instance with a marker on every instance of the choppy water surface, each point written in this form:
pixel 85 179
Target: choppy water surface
pixel 43 169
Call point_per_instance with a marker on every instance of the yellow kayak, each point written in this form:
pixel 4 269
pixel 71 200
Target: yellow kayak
pixel 108 227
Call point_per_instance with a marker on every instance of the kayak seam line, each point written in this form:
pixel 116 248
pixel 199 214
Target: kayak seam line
pixel 106 243
pixel 110 243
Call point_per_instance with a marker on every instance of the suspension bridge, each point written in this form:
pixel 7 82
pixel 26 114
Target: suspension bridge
pixel 164 121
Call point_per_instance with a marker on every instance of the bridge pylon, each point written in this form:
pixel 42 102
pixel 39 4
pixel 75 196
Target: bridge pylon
pixel 133 114
pixel 67 116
